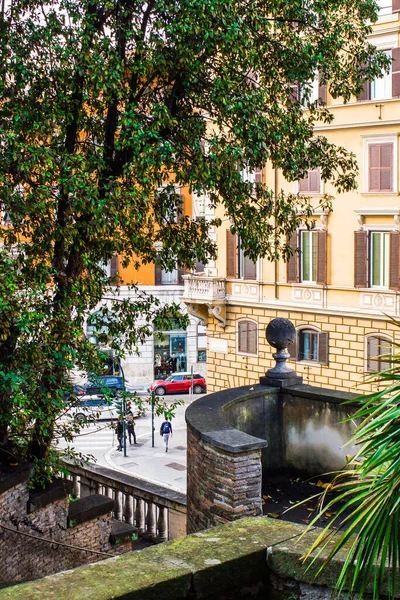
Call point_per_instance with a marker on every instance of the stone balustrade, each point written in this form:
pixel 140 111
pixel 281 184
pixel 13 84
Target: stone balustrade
pixel 158 513
pixel 202 288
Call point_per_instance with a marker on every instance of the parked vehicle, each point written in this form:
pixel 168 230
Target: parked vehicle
pixel 178 383
pixel 115 383
pixel 93 408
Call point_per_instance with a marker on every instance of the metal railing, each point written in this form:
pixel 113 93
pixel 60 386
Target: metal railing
pixel 157 513
pixel 199 287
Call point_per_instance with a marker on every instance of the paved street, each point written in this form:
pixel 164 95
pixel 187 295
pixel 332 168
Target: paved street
pixel 142 460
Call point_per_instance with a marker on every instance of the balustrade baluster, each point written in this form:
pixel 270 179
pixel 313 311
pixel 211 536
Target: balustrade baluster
pixel 77 486
pixel 162 524
pixel 99 488
pixel 108 491
pixel 118 505
pixel 139 515
pixel 128 509
pixel 150 521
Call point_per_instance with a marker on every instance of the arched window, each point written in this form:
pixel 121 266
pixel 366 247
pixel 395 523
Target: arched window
pixel 311 345
pixel 247 337
pixel 379 353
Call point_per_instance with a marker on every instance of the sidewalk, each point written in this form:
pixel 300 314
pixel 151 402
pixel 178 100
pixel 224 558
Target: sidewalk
pixel 154 464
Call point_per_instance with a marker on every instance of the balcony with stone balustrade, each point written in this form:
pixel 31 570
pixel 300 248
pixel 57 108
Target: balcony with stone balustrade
pixel 204 296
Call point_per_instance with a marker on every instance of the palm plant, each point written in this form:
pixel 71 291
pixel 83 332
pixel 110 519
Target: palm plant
pixel 366 496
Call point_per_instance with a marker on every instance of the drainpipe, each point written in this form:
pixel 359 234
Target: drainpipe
pixel 276 292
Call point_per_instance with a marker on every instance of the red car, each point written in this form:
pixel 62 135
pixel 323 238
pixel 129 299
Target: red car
pixel 178 383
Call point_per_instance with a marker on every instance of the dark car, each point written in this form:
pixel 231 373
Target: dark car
pixel 99 385
pixel 178 383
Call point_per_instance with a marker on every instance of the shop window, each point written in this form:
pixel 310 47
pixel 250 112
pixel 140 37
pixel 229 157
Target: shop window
pixel 170 354
pixel 247 337
pixel 379 353
pixel 310 345
pixel 201 343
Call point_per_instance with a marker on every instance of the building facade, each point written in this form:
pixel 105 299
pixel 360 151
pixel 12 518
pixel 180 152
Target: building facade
pixel 167 351
pixel 341 289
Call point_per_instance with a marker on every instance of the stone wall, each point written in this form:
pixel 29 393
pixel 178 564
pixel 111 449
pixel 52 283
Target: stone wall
pixel 250 559
pixel 30 520
pixel 237 438
pixel 222 486
pixel 347 349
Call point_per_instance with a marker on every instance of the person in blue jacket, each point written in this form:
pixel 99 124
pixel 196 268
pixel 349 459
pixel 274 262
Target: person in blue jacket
pixel 166 431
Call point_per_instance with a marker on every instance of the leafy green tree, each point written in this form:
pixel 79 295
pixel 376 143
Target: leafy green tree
pixel 366 500
pixel 105 107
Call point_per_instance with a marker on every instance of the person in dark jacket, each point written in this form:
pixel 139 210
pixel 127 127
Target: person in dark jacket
pixel 131 430
pixel 119 430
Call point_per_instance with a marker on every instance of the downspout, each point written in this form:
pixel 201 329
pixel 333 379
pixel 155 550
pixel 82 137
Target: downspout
pixel 276 291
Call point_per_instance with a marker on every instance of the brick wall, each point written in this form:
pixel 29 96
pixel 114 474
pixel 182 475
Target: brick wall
pixel 347 350
pixel 222 486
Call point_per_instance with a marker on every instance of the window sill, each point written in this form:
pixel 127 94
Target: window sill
pixel 309 363
pixel 247 354
pixel 379 193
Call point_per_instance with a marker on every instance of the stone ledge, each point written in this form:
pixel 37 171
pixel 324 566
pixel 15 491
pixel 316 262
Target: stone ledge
pixel 121 532
pixel 60 488
pixel 12 476
pixel 205 417
pixel 321 394
pixel 89 507
pixel 208 564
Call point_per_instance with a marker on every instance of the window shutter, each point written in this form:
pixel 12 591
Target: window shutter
pixel 292 349
pixel 252 338
pixel 322 91
pixel 180 274
pixel 321 257
pixel 231 254
pixel 293 266
pixel 372 353
pixel 158 275
pixel 258 175
pixel 114 266
pixel 199 266
pixel 315 180
pixel 323 348
pixel 295 92
pixel 242 333
pixel 181 207
pixel 380 167
pixel 395 5
pixel 360 259
pixel 249 268
pixel 365 93
pixel 394 261
pixel 396 67
pixel 304 184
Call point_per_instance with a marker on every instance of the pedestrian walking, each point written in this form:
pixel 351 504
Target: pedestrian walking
pixel 166 431
pixel 119 430
pixel 131 429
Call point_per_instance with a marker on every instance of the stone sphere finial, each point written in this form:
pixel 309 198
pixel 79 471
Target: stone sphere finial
pixel 280 333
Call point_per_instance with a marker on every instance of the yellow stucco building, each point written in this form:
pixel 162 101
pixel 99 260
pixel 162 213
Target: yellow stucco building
pixel 343 286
